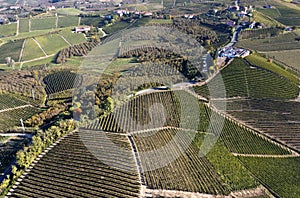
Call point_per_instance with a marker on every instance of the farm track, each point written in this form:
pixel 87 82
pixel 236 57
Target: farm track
pixel 272 156
pixel 19 107
pixel 65 39
pixel 40 47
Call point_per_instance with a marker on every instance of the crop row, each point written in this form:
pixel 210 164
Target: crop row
pixel 242 80
pixel 54 174
pixel 170 161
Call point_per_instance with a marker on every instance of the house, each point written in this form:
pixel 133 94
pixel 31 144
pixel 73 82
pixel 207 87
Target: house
pixel 288 29
pixel 50 8
pixel 267 6
pixel 15 7
pixel 230 23
pixel 82 29
pixel 189 16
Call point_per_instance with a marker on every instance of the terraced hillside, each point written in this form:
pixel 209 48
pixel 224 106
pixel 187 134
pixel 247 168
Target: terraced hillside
pixel 242 80
pixel 278 119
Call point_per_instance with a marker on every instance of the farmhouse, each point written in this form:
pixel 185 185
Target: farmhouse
pixel 50 8
pixel 82 29
pixel 233 52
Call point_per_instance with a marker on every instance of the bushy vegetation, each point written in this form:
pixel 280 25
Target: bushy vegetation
pixel 75 50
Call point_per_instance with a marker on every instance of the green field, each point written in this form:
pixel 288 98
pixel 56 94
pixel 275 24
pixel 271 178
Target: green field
pixel 73 38
pixel 290 57
pixel 262 62
pixel 281 42
pixel 24 25
pixel 69 11
pixel 31 50
pixel 282 175
pixel 9 119
pixel 242 80
pixel 8 30
pixel 52 43
pixel 67 21
pixel 117 26
pixel 43 23
pixel 11 49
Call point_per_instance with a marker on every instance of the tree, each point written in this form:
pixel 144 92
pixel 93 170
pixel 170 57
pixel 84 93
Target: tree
pixel 21 161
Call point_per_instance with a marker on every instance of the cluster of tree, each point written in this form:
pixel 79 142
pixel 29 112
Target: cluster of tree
pixel 93 101
pixel 24 82
pixel 203 35
pixel 76 50
pixel 45 116
pixel 166 57
pixel 40 141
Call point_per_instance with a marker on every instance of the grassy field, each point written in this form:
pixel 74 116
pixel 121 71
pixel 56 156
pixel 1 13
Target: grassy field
pixel 73 38
pixel 8 30
pixel 68 11
pixel 39 62
pixel 286 15
pixel 24 25
pixel 11 49
pixel 281 42
pixel 265 19
pixel 67 21
pixel 281 175
pixel 52 43
pixel 117 26
pixel 290 57
pixel 43 23
pixel 262 62
pixel 31 50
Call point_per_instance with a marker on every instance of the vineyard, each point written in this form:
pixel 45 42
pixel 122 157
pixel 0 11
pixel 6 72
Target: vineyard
pixel 241 80
pixel 93 178
pixel 8 30
pixel 11 118
pixel 188 171
pixel 8 101
pixel 289 57
pixel 281 175
pixel 260 33
pixel 59 81
pixel 281 42
pixel 237 138
pixel 11 49
pixel 278 119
